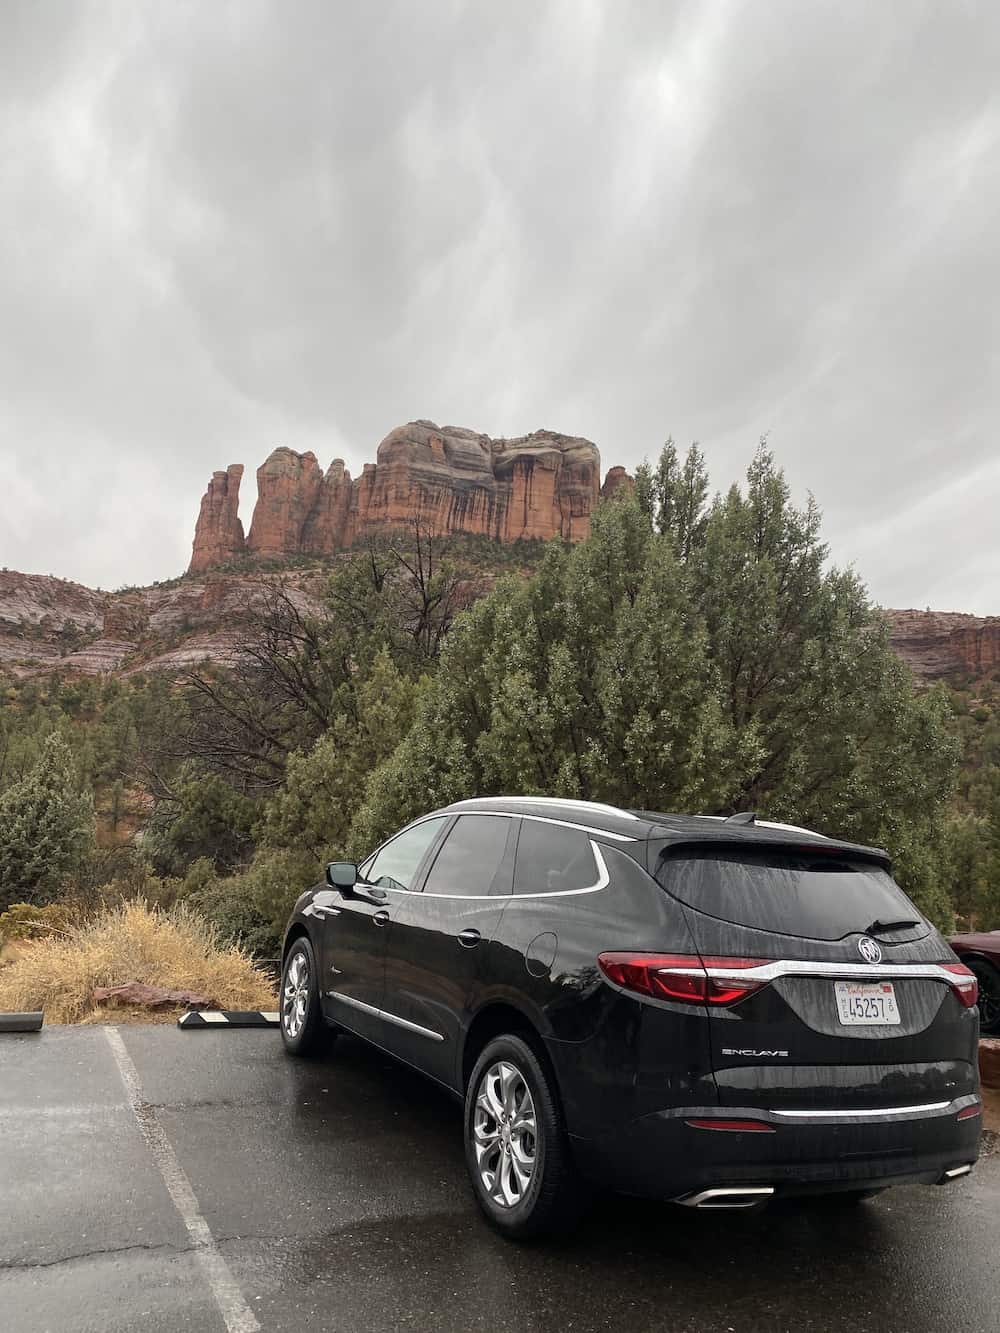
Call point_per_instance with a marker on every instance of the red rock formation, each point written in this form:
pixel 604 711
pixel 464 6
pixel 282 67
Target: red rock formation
pixel 288 488
pixel 328 526
pixel 453 480
pixel 940 644
pixel 616 480
pixel 218 535
pixel 446 478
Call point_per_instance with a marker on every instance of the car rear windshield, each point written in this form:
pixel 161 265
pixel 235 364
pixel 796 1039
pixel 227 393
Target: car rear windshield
pixel 814 895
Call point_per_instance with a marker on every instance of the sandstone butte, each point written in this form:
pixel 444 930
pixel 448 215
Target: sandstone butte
pixel 446 478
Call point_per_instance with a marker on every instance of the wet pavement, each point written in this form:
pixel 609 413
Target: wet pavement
pixel 332 1196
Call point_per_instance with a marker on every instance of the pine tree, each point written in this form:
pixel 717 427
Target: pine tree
pixel 46 826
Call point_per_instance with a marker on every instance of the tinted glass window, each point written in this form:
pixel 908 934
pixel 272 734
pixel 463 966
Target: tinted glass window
pixel 551 859
pixel 471 859
pixel 821 897
pixel 397 863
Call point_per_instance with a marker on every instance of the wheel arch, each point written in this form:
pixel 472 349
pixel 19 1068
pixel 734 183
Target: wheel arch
pixel 490 1020
pixel 296 931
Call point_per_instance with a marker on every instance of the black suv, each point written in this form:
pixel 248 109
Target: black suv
pixel 713 1011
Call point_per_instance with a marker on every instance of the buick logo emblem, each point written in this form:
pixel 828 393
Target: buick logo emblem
pixel 869 950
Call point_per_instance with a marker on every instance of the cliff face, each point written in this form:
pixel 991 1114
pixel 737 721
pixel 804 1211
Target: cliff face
pixel 447 479
pixel 218 535
pixel 941 644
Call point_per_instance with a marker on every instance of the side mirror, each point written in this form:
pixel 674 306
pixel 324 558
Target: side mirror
pixel 342 875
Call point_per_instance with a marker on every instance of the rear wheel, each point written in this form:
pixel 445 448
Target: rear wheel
pixel 989 993
pixel 302 1028
pixel 516 1149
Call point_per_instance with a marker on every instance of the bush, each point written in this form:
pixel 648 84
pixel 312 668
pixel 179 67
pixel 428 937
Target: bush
pixel 132 942
pixel 224 903
pixel 46 827
pixel 25 921
pixel 251 909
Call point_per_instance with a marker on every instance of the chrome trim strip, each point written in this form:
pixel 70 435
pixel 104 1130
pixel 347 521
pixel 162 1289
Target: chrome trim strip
pixel 886 971
pixel 584 828
pixel 384 1013
pixel 863 1114
pixel 546 819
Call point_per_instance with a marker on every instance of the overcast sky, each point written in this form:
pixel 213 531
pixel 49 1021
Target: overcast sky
pixel 228 226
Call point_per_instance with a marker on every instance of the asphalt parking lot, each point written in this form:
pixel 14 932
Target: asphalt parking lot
pixel 159 1180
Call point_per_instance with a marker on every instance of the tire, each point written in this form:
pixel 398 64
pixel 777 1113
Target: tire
pixel 989 993
pixel 302 1027
pixel 524 1181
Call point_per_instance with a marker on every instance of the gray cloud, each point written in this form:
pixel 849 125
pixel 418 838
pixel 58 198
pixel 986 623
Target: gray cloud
pixel 229 226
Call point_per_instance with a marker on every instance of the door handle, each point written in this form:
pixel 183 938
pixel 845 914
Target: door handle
pixel 468 939
pixel 381 917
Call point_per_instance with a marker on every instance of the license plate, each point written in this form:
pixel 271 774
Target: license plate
pixel 867 1003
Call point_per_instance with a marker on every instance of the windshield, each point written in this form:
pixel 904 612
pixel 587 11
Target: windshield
pixel 820 897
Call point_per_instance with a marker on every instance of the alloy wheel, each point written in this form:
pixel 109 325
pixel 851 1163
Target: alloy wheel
pixel 295 995
pixel 504 1134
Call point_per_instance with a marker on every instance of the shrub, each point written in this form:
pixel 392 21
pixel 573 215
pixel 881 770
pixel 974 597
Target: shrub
pixel 46 827
pixel 251 909
pixel 25 921
pixel 132 942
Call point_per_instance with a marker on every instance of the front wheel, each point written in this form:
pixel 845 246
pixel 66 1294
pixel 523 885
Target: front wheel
pixel 516 1148
pixel 302 1026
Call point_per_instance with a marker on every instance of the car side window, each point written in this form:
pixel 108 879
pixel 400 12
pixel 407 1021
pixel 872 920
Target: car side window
pixel 553 859
pixel 396 865
pixel 472 861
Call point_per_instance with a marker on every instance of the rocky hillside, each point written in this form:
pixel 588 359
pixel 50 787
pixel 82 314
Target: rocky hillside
pixel 945 645
pixel 448 479
pixel 48 623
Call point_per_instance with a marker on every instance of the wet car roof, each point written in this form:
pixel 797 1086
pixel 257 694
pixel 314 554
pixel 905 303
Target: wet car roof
pixel 645 825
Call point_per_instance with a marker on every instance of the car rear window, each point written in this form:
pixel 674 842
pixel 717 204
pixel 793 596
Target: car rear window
pixel 814 895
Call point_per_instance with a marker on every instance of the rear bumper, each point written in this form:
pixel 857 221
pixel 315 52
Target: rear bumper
pixel 662 1156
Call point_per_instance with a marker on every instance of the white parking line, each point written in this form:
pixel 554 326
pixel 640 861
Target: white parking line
pixel 238 1316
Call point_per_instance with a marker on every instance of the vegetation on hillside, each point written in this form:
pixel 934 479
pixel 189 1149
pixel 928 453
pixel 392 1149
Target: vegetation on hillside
pixel 695 653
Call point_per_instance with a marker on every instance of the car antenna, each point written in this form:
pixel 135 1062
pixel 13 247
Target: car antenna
pixel 744 817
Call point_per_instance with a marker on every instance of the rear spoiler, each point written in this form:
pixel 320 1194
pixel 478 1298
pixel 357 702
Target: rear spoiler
pixel 759 839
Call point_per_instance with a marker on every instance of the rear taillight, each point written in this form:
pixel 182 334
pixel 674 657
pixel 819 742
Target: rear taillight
pixel 682 977
pixel 969 1112
pixel 965 985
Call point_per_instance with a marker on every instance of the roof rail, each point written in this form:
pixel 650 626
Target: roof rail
pixel 555 800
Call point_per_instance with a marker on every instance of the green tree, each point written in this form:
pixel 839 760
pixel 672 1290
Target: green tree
pixel 202 817
pixel 687 659
pixel 845 742
pixel 314 808
pixel 46 827
pixel 589 680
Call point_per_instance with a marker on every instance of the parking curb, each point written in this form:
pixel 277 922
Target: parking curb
pixel 26 1022
pixel 232 1018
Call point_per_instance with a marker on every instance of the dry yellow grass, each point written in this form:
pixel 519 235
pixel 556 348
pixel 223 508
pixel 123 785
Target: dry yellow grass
pixel 132 942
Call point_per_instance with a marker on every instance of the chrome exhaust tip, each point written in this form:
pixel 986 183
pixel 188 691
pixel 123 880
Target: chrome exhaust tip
pixel 731 1196
pixel 955 1173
